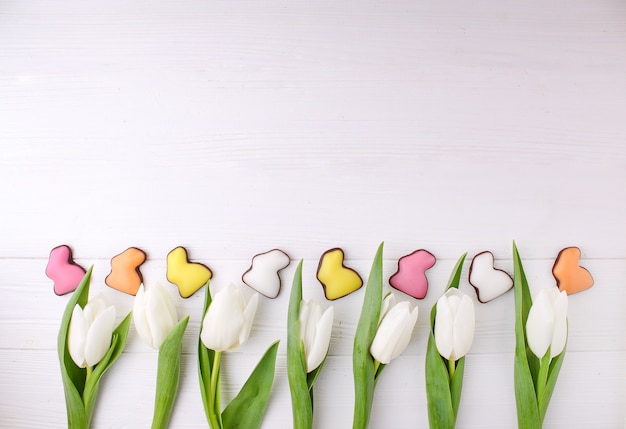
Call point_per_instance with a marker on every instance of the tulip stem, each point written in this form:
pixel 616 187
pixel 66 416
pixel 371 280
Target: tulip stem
pixel 215 417
pixel 542 376
pixel 451 367
pixel 89 371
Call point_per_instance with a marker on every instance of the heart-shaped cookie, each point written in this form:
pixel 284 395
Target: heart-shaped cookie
pixel 63 271
pixel 488 281
pixel 570 276
pixel 186 275
pixel 411 275
pixel 125 275
pixel 263 276
pixel 337 279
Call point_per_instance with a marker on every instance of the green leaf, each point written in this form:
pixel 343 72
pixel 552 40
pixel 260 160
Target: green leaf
pixel 525 397
pixel 440 410
pixel 455 276
pixel 246 410
pixel 301 390
pixel 362 361
pixel 72 375
pixel 168 374
pixel 118 341
pixel 206 357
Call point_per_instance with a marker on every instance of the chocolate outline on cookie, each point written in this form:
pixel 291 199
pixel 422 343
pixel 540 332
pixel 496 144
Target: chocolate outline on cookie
pixel 145 258
pixel 343 258
pixel 558 282
pixel 188 262
pixel 469 276
pixel 426 269
pixel 280 282
pixel 70 261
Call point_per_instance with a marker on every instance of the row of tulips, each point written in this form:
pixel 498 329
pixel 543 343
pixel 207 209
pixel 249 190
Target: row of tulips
pixel 89 343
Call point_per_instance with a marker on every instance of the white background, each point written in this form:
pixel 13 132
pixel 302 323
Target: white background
pixel 234 127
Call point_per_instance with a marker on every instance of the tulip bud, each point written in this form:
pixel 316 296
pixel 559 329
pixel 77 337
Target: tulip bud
pixel 394 330
pixel 228 320
pixel 315 330
pixel 454 324
pixel 546 325
pixel 154 314
pixel 90 332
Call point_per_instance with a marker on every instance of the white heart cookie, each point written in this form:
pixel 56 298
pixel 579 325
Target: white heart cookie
pixel 262 275
pixel 488 281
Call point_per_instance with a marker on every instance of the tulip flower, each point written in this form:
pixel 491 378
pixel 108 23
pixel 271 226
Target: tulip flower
pixel 546 326
pixel 394 330
pixel 90 332
pixel 157 325
pixel 383 332
pixel 87 345
pixel 539 346
pixel 226 325
pixel 154 314
pixel 228 321
pixel 315 330
pixel 308 338
pixel 454 324
pixel 451 335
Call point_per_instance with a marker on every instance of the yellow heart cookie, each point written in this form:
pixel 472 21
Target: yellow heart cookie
pixel 187 276
pixel 337 279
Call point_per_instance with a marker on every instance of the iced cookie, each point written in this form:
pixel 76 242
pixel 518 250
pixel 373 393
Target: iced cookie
pixel 488 281
pixel 125 275
pixel 337 279
pixel 570 276
pixel 263 276
pixel 63 271
pixel 411 275
pixel 186 275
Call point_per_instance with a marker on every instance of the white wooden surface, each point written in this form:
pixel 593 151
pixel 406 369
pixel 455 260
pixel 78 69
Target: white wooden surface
pixel 233 127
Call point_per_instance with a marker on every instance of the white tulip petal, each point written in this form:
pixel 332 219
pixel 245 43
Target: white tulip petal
pixel 409 320
pixel 317 351
pixel 559 333
pixel 99 336
pixel 169 312
pixel 390 333
pixel 444 325
pixel 159 316
pixel 463 328
pixel 540 324
pixel 248 315
pixel 77 337
pixel 140 318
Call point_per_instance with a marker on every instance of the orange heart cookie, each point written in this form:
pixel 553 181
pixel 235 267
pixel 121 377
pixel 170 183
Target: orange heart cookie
pixel 188 276
pixel 570 276
pixel 337 279
pixel 125 275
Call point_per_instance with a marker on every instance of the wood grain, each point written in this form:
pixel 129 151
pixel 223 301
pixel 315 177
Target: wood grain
pixel 234 127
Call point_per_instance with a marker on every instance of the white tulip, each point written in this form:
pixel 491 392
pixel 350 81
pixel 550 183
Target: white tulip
pixel 394 330
pixel 315 330
pixel 154 314
pixel 228 320
pixel 546 325
pixel 90 332
pixel 454 324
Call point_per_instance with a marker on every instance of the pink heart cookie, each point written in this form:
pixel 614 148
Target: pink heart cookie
pixel 63 271
pixel 411 275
